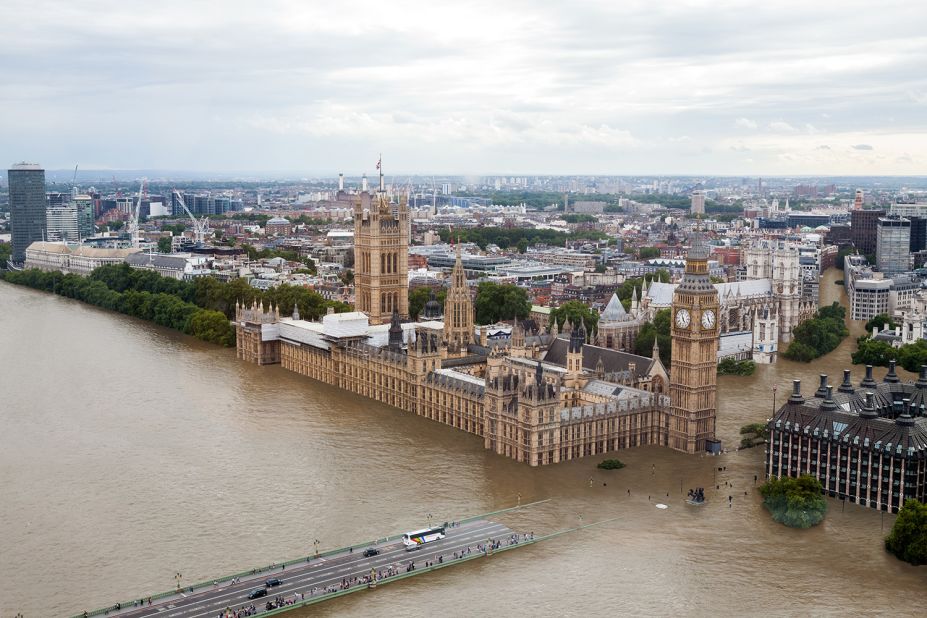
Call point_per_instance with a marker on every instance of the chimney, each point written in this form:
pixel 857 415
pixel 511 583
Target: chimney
pixel 822 388
pixel 341 182
pixel 796 397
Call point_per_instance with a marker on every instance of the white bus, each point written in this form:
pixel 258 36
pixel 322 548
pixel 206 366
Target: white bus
pixel 414 540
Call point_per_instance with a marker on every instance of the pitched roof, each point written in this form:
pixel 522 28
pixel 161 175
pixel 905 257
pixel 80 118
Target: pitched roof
pixel 612 360
pixel 614 311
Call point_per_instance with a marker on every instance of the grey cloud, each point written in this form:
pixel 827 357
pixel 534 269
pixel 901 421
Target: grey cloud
pixel 271 79
pixel 862 147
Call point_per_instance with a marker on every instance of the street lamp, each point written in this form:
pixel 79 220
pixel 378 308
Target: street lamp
pixel 519 499
pixel 178 577
pixel 316 543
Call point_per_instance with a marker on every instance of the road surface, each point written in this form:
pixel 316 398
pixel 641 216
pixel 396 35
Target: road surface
pixel 303 581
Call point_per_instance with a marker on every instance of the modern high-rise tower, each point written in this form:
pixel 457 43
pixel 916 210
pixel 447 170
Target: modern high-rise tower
pixel 694 374
pixel 27 207
pixel 381 255
pixel 698 203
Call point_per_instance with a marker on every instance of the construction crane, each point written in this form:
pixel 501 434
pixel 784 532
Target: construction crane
pixel 134 226
pixel 200 226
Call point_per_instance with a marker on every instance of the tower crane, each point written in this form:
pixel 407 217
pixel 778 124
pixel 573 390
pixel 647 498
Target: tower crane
pixel 134 215
pixel 200 226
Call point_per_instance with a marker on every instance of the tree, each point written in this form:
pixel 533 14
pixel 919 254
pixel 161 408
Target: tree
pixel 164 244
pixel 5 252
pixel 212 326
pixel 908 538
pixel 729 366
pixel 574 312
pixel 659 330
pixel 495 302
pixel 882 320
pixel 819 335
pixel 753 434
pixel 347 276
pixel 419 296
pixel 522 245
pixel 872 352
pixel 795 502
pixel 646 253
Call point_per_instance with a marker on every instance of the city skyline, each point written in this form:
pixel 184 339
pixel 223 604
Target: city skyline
pixel 729 89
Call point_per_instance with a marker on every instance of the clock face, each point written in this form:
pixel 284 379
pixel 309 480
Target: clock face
pixel 682 318
pixel 708 319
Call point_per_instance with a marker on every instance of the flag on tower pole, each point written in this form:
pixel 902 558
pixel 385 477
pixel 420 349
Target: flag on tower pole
pixel 380 160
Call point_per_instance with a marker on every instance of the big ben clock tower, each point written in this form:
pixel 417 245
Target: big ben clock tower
pixel 694 372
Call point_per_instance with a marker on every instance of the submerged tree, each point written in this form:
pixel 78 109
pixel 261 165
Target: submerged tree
pixel 908 539
pixel 795 502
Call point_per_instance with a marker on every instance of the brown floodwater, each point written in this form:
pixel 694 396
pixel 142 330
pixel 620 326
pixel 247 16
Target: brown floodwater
pixel 129 453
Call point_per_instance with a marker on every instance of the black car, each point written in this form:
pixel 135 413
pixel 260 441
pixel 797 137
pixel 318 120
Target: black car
pixel 270 583
pixel 371 551
pixel 257 592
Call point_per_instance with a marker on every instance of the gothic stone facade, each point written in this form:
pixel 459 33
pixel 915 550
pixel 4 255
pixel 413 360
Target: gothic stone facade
pixel 531 411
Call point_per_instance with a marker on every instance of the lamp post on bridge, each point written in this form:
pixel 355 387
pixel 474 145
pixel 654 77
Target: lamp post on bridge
pixel 316 544
pixel 177 577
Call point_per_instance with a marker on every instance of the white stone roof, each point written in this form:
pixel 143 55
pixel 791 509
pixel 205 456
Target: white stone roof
pixel 614 311
pixel 661 294
pixel 752 287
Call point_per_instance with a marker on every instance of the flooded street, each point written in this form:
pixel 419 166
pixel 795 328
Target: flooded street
pixel 129 453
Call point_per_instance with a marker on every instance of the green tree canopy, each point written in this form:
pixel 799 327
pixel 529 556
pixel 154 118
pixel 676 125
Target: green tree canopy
pixel 795 502
pixel 646 253
pixel 659 330
pixel 496 302
pixel 882 320
pixel 574 312
pixel 819 335
pixel 164 244
pixel 419 296
pixel 908 538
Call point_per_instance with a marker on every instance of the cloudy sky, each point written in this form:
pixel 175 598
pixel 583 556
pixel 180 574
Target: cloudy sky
pixel 610 87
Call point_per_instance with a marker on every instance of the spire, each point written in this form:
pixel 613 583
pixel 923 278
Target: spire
pixel 380 169
pixel 395 333
pixel 295 311
pixel 656 349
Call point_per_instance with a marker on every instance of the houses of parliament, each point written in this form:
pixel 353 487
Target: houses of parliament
pixel 535 397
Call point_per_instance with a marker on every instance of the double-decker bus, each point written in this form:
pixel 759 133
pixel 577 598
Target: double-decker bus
pixel 414 540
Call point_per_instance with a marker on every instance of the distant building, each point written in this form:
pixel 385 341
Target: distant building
pixel 61 223
pixel 698 203
pixel 84 206
pixel 863 229
pixel 893 242
pixel 182 266
pixel 868 291
pixel 278 226
pixel 27 207
pixel 589 207
pixel 72 258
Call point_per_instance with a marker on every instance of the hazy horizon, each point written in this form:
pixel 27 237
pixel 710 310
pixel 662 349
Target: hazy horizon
pixel 533 88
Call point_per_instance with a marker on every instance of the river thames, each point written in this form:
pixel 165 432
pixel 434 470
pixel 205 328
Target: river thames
pixel 130 453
